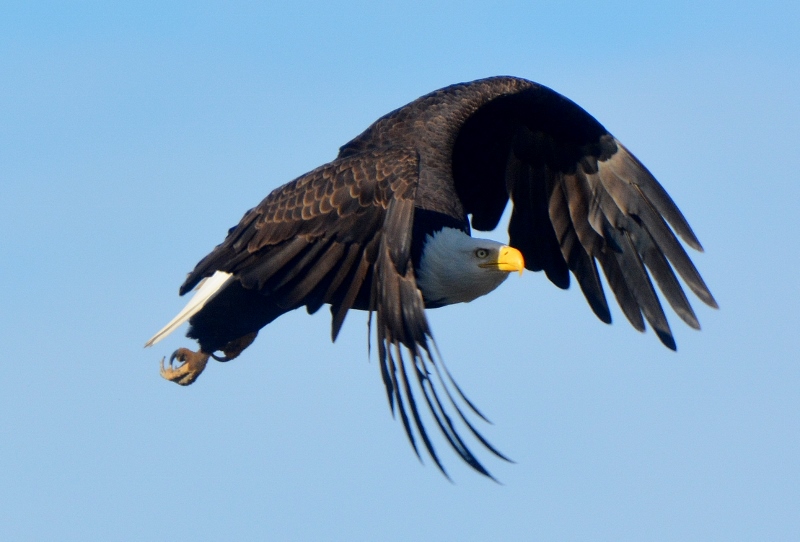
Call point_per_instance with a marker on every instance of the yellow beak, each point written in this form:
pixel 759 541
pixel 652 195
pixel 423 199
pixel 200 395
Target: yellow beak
pixel 508 259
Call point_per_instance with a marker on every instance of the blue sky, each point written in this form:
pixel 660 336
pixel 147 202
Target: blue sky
pixel 132 137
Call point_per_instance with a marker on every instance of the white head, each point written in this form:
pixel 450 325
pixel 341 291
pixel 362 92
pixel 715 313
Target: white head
pixel 457 268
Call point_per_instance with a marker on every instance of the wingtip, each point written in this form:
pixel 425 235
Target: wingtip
pixel 667 340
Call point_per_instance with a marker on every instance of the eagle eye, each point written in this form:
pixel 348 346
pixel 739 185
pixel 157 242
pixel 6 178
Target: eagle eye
pixel 481 253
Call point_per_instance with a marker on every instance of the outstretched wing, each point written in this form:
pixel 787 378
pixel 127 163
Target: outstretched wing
pixel 341 234
pixel 579 198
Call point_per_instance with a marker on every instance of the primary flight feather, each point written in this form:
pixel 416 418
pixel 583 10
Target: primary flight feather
pixel 385 228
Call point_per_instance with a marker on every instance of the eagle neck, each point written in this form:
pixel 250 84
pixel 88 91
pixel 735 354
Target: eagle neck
pixel 427 223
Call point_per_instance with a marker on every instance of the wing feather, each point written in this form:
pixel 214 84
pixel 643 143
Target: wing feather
pixel 576 237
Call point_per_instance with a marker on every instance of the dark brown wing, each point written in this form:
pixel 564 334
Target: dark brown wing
pixel 579 198
pixel 315 239
pixel 341 234
pixel 401 322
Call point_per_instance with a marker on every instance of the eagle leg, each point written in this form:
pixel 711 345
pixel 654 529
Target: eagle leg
pixel 192 364
pixel 236 346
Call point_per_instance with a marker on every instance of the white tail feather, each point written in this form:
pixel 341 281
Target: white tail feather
pixel 206 291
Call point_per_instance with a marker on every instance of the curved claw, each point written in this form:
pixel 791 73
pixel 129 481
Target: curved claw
pixel 192 364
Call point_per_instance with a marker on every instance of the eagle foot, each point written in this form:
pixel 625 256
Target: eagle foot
pixel 192 364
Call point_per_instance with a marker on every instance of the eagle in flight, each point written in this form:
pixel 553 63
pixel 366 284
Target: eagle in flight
pixel 385 228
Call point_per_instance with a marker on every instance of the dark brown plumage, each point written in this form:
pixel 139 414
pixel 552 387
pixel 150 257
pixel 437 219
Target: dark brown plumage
pixel 350 233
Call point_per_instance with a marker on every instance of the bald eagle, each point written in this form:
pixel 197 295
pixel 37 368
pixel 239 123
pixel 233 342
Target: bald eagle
pixel 385 228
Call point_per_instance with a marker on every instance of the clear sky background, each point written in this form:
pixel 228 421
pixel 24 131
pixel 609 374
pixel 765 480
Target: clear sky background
pixel 132 137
